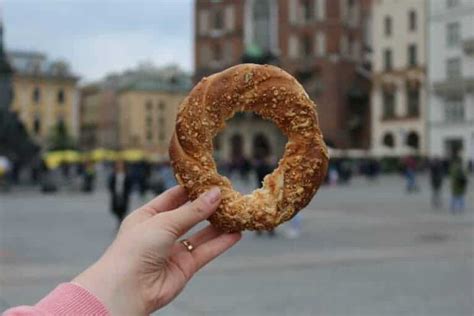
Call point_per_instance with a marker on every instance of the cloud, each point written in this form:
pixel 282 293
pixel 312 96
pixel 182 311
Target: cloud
pixel 98 37
pixel 102 53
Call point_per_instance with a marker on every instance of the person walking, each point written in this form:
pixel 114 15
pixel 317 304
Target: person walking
pixel 88 177
pixel 410 174
pixel 458 187
pixel 119 187
pixel 436 181
pixel 4 173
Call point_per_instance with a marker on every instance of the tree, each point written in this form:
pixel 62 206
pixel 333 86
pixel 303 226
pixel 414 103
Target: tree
pixel 60 139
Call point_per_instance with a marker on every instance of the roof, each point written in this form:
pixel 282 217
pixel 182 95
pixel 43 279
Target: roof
pixel 147 77
pixel 36 64
pixel 158 84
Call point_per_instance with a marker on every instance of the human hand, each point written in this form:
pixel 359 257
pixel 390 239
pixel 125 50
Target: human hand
pixel 145 267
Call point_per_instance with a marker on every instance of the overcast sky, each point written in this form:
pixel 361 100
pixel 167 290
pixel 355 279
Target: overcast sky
pixel 98 37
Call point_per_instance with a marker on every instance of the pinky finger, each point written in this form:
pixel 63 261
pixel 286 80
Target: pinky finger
pixel 213 248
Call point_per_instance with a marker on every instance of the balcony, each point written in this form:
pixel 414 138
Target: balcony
pixel 454 86
pixel 468 46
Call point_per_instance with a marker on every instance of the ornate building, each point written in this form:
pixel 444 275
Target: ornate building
pixel 321 42
pixel 98 116
pixel 45 95
pixel 135 109
pixel 451 79
pixel 398 97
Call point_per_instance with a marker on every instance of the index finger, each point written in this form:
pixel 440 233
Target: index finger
pixel 180 220
pixel 167 201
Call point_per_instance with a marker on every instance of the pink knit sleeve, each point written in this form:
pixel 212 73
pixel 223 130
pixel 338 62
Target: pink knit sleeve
pixel 66 299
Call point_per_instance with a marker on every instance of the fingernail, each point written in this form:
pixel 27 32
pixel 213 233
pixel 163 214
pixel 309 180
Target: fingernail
pixel 213 195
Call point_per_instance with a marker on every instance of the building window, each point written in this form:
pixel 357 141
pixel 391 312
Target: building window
pixel 60 96
pixel 453 34
pixel 413 140
pixel 161 106
pixel 388 140
pixel 148 105
pixel 306 45
pixel 344 45
pixel 307 9
pixel 387 56
pixel 321 43
pixel 388 26
pixel 413 98
pixel 218 22
pixel 60 123
pixel 293 46
pixel 350 47
pixel 453 68
pixel 36 95
pixel 453 147
pixel 216 52
pixel 388 104
pixel 36 125
pixel 149 135
pixel 412 20
pixel 262 28
pixel 353 15
pixel 228 52
pixel 148 121
pixel 203 22
pixel 454 109
pixel 451 3
pixel 412 56
pixel 204 53
pixel 161 129
pixel 162 136
pixel 229 17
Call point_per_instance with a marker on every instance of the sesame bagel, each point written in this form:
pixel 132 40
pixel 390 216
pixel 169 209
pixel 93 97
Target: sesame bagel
pixel 275 95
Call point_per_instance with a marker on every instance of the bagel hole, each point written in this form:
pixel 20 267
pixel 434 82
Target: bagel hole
pixel 248 149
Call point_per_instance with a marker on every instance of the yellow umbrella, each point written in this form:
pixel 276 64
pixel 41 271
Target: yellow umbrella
pixel 101 154
pixel 132 155
pixel 111 155
pixel 98 154
pixel 71 156
pixel 53 159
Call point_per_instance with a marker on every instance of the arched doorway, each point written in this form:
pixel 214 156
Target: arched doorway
pixel 388 140
pixel 413 140
pixel 261 146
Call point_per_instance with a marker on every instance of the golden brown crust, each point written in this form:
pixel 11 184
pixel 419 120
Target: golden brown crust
pixel 275 95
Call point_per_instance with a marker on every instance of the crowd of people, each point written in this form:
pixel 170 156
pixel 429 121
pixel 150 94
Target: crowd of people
pixel 440 171
pixel 122 178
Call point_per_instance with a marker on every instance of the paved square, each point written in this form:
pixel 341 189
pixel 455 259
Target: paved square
pixel 366 249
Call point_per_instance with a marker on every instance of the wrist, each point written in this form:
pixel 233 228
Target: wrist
pixel 103 282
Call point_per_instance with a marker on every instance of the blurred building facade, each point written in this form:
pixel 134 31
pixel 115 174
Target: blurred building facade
pixel 135 109
pixel 98 117
pixel 45 95
pixel 322 43
pixel 451 78
pixel 398 98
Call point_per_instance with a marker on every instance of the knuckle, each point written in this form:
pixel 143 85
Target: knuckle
pixel 171 229
pixel 201 208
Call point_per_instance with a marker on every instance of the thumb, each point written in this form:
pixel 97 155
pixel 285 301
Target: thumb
pixel 179 221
